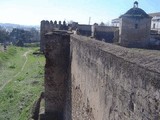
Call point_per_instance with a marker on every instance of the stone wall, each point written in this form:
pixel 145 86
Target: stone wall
pixel 113 83
pixel 101 33
pixel 84 30
pixel 102 81
pixel 46 27
pixel 134 32
pixel 104 33
pixel 56 74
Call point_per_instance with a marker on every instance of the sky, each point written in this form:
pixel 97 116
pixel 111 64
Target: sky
pixel 31 12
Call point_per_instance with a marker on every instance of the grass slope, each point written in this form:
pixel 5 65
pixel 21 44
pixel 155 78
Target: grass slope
pixel 18 96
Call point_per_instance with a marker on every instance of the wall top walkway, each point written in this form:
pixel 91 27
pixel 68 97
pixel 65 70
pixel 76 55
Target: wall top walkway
pixel 149 59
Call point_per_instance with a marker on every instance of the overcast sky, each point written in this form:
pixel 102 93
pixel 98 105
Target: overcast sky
pixel 31 12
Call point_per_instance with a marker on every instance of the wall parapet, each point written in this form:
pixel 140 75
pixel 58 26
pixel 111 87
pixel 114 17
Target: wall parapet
pixel 49 26
pixel 148 59
pixel 115 82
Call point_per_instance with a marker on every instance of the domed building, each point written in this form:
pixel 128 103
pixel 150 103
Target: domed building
pixel 134 28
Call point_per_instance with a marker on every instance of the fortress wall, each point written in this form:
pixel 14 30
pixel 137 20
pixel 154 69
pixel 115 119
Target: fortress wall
pixel 49 26
pixel 57 52
pixel 84 30
pixel 46 27
pixel 105 28
pixel 111 82
pixel 86 79
pixel 84 27
pixel 104 33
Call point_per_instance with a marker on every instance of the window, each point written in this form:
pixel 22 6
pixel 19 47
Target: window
pixel 154 25
pixel 136 26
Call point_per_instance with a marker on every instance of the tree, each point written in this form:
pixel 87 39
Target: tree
pixel 4 35
pixel 35 35
pixel 16 35
pixel 20 34
pixel 20 43
pixel 26 36
pixel 102 24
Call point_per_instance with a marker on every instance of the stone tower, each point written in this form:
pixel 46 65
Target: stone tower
pixel 46 27
pixel 134 29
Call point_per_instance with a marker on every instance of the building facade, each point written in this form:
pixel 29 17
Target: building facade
pixel 115 22
pixel 155 24
pixel 134 28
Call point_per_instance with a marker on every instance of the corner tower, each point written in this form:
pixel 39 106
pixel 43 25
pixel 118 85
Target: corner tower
pixel 134 29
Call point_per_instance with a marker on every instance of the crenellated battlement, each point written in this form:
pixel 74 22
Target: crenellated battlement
pixel 49 26
pixel 101 33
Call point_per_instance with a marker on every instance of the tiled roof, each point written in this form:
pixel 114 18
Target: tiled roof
pixel 136 12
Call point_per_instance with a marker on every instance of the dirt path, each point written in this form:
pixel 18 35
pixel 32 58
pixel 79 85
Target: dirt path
pixel 26 59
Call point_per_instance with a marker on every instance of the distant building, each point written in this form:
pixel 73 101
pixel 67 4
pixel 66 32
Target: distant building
pixel 155 25
pixel 134 28
pixel 115 22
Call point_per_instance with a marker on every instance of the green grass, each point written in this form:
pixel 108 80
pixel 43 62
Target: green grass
pixel 36 44
pixel 4 56
pixel 18 96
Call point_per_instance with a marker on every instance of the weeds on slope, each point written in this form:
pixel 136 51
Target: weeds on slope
pixel 4 56
pixel 17 98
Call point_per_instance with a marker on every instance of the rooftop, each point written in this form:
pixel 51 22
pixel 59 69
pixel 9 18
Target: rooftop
pixel 157 14
pixel 136 12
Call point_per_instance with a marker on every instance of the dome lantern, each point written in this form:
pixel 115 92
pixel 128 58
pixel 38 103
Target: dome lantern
pixel 135 4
